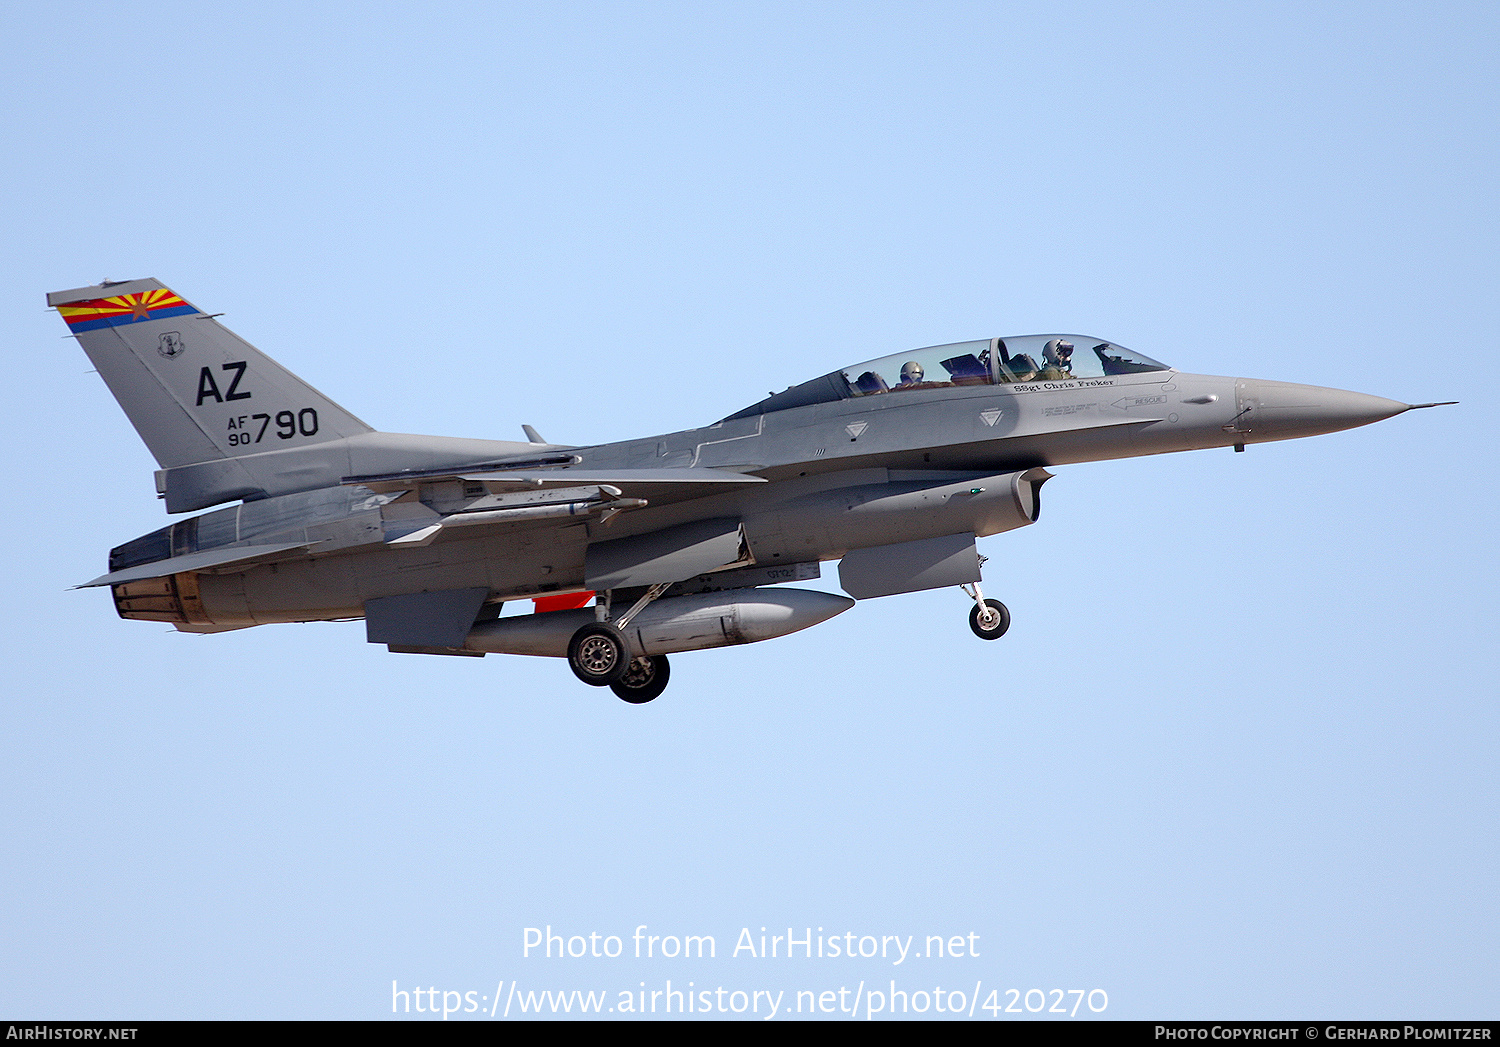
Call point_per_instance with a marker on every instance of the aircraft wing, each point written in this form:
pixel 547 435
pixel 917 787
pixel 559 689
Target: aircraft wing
pixel 657 486
pixel 201 561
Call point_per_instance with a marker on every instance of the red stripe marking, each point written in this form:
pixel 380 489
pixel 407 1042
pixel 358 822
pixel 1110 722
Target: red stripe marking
pixel 566 602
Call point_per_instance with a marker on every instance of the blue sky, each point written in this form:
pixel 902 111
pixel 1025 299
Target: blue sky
pixel 1235 757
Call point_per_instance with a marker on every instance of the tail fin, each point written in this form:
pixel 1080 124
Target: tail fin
pixel 209 405
pixel 195 391
pixel 224 420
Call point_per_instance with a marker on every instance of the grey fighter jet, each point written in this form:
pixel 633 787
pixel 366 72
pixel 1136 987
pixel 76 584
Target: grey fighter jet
pixel 636 550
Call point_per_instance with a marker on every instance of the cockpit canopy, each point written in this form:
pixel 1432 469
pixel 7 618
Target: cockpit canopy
pixel 989 361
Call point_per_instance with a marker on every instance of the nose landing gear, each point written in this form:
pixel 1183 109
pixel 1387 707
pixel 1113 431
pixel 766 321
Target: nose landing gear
pixel 990 625
pixel 989 619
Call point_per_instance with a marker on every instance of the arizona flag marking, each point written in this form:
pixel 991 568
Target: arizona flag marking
pixel 95 313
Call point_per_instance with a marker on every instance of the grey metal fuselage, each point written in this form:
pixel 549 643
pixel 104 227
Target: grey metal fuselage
pixel 854 473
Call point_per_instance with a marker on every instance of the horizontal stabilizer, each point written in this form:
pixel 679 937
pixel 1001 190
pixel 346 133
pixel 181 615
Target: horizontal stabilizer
pixel 220 557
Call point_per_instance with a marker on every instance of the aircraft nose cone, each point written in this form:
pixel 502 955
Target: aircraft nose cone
pixel 1282 410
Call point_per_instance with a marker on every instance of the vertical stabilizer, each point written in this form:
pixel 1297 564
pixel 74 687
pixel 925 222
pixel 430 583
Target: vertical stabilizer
pixel 194 390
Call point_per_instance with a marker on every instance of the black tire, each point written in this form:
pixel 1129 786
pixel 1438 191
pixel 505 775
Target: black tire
pixel 993 631
pixel 644 680
pixel 597 654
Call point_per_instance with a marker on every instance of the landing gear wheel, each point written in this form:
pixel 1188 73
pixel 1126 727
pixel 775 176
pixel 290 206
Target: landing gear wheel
pixel 597 654
pixel 644 679
pixel 993 624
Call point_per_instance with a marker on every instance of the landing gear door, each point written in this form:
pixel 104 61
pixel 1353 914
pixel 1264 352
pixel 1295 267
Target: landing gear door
pixel 909 567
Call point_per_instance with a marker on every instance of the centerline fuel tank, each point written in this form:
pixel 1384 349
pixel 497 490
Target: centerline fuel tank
pixel 671 624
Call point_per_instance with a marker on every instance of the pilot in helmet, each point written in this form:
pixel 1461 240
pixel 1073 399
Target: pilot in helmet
pixel 911 373
pixel 1057 360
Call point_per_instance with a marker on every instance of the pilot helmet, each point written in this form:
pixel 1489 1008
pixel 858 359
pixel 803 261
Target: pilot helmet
pixel 1059 353
pixel 911 372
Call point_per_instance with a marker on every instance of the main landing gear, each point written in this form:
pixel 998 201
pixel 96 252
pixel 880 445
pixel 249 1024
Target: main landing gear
pixel 599 654
pixel 644 680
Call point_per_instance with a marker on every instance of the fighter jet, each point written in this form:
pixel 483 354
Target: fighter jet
pixel 632 551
